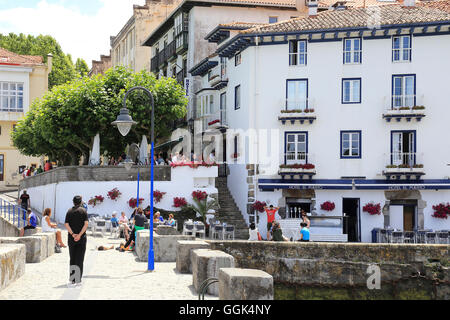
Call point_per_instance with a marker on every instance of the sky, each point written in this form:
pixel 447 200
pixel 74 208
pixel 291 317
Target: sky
pixel 82 27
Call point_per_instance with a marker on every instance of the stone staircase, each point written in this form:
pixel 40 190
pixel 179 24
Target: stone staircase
pixel 229 211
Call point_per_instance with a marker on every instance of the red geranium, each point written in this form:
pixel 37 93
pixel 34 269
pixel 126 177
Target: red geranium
pixel 327 206
pixel 441 211
pixel 259 206
pixel 199 195
pixel 114 194
pixel 179 202
pixel 93 201
pixel 193 165
pixel 133 202
pixel 158 195
pixel 372 208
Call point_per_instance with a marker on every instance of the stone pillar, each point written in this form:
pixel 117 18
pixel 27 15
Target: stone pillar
pixel 12 263
pixel 184 253
pixel 206 264
pixel 245 284
pixel 386 213
pixel 421 204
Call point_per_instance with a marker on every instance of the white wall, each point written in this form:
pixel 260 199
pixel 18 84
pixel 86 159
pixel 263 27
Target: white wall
pixel 184 180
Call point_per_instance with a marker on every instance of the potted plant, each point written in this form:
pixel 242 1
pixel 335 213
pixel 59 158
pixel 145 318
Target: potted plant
pixel 96 199
pixel 372 209
pixel 133 202
pixel 405 109
pixel 114 194
pixel 327 206
pixel 441 211
pixel 418 109
pixel 201 204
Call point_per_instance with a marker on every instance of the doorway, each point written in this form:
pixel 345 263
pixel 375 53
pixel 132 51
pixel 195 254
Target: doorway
pixel 403 215
pixel 294 207
pixel 351 225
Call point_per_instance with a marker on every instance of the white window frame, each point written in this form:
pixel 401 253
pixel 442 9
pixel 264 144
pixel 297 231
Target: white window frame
pixel 398 54
pixel 299 154
pixel 353 90
pixel 351 52
pixel 296 57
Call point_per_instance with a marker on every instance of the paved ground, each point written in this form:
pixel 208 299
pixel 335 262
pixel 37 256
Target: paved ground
pixel 107 275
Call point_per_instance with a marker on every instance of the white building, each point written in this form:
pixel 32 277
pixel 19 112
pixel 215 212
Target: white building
pixel 360 96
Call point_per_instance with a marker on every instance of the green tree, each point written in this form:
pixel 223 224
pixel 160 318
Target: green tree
pixel 63 123
pixel 63 69
pixel 81 67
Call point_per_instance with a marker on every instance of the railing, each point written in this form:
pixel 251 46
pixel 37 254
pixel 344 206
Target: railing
pixel 301 104
pixel 162 57
pixel 298 158
pixel 154 64
pixel 180 76
pixel 403 163
pixel 171 50
pixel 399 101
pixel 181 41
pixel 13 213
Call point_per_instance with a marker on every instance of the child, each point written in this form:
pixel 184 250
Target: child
pixel 304 233
pixel 254 233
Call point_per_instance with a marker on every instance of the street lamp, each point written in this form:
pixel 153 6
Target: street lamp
pixel 124 123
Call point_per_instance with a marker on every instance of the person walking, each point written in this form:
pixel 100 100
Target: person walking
pixel 24 202
pixel 76 223
pixel 270 218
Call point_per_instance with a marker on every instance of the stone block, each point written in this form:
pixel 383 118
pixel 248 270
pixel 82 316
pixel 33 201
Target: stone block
pixel 166 230
pixel 50 240
pixel 36 247
pixel 184 253
pixel 206 264
pixel 164 246
pixel 12 263
pixel 245 284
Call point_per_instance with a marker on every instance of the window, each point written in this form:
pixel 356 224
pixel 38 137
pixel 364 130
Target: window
pixel 223 108
pixel 352 50
pixel 237 59
pixel 350 144
pixel 237 97
pixel 273 19
pixel 403 91
pixel 223 67
pixel 297 94
pixel 296 146
pixel 401 48
pixel 403 146
pixel 297 52
pixel 294 17
pixel 351 90
pixel 11 96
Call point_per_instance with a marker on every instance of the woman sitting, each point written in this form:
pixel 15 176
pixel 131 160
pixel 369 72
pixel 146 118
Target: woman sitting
pixel 47 226
pixel 171 222
pixel 277 233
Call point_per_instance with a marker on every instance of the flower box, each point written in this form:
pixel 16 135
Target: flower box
pixel 296 170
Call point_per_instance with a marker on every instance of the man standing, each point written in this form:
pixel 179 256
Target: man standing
pixel 270 218
pixel 76 224
pixel 24 202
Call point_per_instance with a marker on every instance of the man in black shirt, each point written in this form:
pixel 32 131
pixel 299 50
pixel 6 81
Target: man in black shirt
pixel 76 224
pixel 139 223
pixel 24 202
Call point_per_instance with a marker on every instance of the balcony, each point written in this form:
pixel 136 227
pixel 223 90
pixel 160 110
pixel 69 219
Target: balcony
pixel 297 110
pixel 162 57
pixel 180 76
pixel 404 166
pixel 154 64
pixel 404 107
pixel 297 164
pixel 181 42
pixel 171 51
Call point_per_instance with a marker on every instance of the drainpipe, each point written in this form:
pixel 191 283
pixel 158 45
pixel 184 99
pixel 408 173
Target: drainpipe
pixel 256 95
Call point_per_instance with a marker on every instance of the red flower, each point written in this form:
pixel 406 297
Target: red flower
pixel 133 202
pixel 372 209
pixel 199 195
pixel 212 122
pixel 179 202
pixel 259 206
pixel 193 165
pixel 158 195
pixel 327 206
pixel 114 194
pixel 93 201
pixel 441 211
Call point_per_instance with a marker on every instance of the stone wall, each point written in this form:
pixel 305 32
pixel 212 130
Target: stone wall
pixel 7 229
pixel 337 270
pixel 12 263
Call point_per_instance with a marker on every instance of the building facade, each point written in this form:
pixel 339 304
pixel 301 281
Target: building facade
pixel 126 46
pixel 340 110
pixel 100 66
pixel 22 80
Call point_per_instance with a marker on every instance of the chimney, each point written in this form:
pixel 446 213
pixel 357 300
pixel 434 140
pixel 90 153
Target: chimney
pixel 312 8
pixel 300 5
pixel 49 63
pixel 409 3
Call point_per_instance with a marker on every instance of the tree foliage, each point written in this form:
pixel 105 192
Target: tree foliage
pixel 63 69
pixel 63 123
pixel 81 67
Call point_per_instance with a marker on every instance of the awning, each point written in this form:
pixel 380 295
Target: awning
pixel 169 143
pixel 429 184
pixel 273 184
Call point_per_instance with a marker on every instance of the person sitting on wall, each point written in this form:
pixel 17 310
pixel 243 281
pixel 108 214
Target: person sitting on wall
pixel 171 222
pixel 270 218
pixel 304 232
pixel 277 233
pixel 48 226
pixel 254 233
pixel 31 222
pixel 157 218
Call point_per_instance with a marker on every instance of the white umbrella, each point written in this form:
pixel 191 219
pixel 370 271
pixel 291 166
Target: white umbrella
pixel 143 150
pixel 94 158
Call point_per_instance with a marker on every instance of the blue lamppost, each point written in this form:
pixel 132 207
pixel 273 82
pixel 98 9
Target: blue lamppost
pixel 124 123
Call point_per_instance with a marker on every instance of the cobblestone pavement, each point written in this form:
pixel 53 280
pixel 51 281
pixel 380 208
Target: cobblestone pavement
pixel 107 275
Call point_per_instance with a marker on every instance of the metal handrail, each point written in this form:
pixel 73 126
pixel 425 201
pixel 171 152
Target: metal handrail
pixel 13 213
pixel 204 286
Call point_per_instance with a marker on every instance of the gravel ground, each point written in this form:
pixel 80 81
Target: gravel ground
pixel 108 275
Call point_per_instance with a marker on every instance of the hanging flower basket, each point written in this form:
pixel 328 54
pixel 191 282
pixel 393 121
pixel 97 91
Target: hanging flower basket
pixel 94 200
pixel 441 211
pixel 158 195
pixel 327 206
pixel 199 195
pixel 259 206
pixel 179 202
pixel 114 194
pixel 372 209
pixel 133 202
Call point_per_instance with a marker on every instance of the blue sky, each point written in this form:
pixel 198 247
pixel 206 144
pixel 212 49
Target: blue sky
pixel 82 27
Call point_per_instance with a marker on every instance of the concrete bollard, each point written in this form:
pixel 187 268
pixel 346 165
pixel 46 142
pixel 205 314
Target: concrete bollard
pixel 206 264
pixel 36 247
pixel 12 263
pixel 184 253
pixel 50 241
pixel 166 230
pixel 245 284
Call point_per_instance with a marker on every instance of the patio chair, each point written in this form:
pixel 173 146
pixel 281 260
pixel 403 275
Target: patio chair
pixel 228 232
pixel 188 229
pixel 200 229
pixel 409 237
pixel 100 225
pixel 397 237
pixel 382 236
pixel 442 237
pixel 420 236
pixel 217 231
pixel 430 237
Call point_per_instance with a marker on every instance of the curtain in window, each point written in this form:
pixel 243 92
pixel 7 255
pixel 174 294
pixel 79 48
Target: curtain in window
pixel 296 94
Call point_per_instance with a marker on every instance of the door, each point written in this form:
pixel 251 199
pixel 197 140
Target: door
pixel 2 167
pixel 403 148
pixel 296 146
pixel 351 226
pixel 409 217
pixel 294 207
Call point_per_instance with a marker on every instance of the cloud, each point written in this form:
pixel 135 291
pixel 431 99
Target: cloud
pixel 82 35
